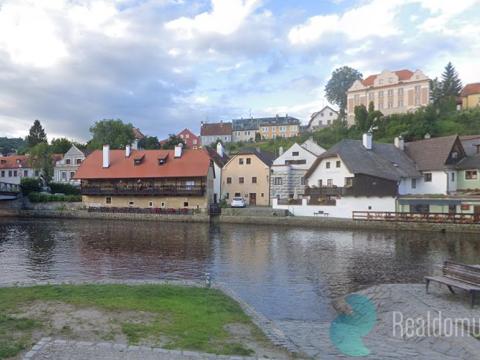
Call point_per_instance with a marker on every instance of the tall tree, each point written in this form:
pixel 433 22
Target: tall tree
pixel 451 83
pixel 111 132
pixel 41 159
pixel 172 141
pixel 36 135
pixel 60 145
pixel 149 143
pixel 366 119
pixel 336 88
pixel 436 91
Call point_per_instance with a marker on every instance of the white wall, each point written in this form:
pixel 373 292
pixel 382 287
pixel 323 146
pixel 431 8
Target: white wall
pixel 10 178
pixel 438 185
pixel 302 155
pixel 337 175
pixel 217 182
pixel 344 207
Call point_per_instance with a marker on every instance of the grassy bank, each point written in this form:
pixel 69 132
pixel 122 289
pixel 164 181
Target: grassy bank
pixel 172 317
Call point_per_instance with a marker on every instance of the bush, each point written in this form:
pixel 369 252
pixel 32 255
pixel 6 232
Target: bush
pixel 30 185
pixel 66 189
pixel 37 197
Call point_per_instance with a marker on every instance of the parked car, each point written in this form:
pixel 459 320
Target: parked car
pixel 238 202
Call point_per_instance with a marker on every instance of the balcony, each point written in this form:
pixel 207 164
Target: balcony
pixel 326 191
pixel 164 190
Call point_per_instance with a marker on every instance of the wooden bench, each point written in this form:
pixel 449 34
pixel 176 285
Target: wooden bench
pixel 461 276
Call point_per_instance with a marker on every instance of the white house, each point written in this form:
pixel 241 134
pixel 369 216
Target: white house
pixel 65 169
pixel 322 118
pixel 288 170
pixel 219 159
pixel 15 167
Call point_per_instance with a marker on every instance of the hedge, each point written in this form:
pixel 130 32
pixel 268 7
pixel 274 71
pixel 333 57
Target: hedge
pixel 30 185
pixel 67 189
pixel 37 197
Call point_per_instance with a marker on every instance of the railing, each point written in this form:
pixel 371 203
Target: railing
pixel 8 189
pixel 289 201
pixel 326 191
pixel 165 190
pixel 132 210
pixel 416 217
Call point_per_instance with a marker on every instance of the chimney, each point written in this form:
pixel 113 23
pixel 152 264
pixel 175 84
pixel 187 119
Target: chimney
pixel 128 151
pixel 399 143
pixel 178 150
pixel 106 156
pixel 220 149
pixel 280 151
pixel 367 140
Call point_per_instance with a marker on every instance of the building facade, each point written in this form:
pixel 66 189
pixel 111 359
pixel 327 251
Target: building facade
pixel 470 96
pixel 392 92
pixel 210 133
pixel 66 168
pixel 288 170
pixel 219 159
pixel 247 175
pixel 168 179
pixel 191 140
pixel 15 167
pixel 284 127
pixel 322 118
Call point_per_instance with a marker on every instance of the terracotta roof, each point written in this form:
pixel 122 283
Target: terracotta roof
pixel 402 76
pixel 192 163
pixel 212 129
pixel 470 89
pixel 138 134
pixel 13 162
pixel 431 154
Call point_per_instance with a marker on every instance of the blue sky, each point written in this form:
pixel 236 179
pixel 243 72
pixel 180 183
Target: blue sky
pixel 168 64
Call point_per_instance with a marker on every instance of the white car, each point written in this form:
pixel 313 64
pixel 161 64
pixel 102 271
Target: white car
pixel 238 202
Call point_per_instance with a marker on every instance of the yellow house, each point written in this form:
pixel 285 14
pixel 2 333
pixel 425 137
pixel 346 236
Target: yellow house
pixel 247 175
pixel 470 96
pixel 271 128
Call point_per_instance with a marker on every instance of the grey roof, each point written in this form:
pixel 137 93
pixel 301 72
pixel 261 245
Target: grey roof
pixel 255 123
pixel 383 161
pixel 470 162
pixel 266 156
pixel 431 154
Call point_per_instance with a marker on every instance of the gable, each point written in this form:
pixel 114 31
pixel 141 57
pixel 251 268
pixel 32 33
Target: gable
pixel 288 155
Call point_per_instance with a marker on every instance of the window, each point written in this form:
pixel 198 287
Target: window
pixel 72 174
pixel 185 204
pixel 229 180
pixel 320 183
pixel 237 195
pixel 427 177
pixel 262 195
pixel 417 95
pixel 400 97
pixel 64 175
pixel 37 173
pixel 327 164
pixel 414 183
pixel 67 161
pixel 25 173
pixel 241 180
pixel 9 173
pixel 348 181
pixel 371 97
pixel 3 173
pixel 240 161
pixel 254 180
pixel 380 99
pixel 338 164
pixel 79 161
pixel 249 161
pixel 108 200
pixel 277 181
pixel 452 177
pixel 390 99
pixel 465 207
pixel 420 208
pixel 329 182
pixel 15 173
pixel 471 175
pixel 295 153
pixel 131 203
pixel 150 204
pixel 454 155
pixel 227 195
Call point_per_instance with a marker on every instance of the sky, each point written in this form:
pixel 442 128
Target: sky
pixel 164 65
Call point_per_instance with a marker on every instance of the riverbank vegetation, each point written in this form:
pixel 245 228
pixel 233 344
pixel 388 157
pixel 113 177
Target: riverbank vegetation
pixel 171 317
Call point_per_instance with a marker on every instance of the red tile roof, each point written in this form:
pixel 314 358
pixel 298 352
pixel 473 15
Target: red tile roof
pixel 212 129
pixel 13 162
pixel 402 76
pixel 470 89
pixel 192 163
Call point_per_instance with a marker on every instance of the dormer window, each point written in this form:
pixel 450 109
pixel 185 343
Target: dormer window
pixel 67 161
pixel 162 160
pixel 454 155
pixel 138 160
pixel 18 161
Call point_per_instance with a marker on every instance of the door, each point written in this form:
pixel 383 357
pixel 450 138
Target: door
pixel 215 199
pixel 252 199
pixel 476 213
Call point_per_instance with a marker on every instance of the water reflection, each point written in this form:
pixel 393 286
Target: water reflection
pixel 287 273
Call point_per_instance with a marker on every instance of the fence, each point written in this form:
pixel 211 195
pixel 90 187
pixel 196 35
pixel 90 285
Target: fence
pixel 454 218
pixel 132 210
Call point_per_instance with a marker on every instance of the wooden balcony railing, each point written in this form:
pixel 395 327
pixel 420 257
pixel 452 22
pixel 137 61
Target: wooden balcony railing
pixel 164 190
pixel 326 191
pixel 416 217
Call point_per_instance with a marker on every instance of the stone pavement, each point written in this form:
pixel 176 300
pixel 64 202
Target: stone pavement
pixel 313 338
pixel 49 349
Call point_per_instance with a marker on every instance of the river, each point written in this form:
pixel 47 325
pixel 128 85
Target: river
pixel 286 273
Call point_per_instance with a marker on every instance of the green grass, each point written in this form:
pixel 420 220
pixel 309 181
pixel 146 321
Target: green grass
pixel 190 318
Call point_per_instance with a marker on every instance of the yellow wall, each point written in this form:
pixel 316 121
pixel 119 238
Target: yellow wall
pixel 256 168
pixel 171 202
pixel 270 132
pixel 471 101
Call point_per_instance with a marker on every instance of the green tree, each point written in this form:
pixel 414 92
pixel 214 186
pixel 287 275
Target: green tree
pixel 60 145
pixel 258 137
pixel 111 132
pixel 11 145
pixel 172 141
pixel 361 118
pixel 149 143
pixel 436 91
pixel 336 88
pixel 41 159
pixel 36 135
pixel 451 83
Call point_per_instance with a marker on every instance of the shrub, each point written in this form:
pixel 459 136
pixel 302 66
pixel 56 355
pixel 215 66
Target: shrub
pixel 66 189
pixel 37 197
pixel 30 185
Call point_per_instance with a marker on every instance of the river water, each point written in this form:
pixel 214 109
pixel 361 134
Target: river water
pixel 284 272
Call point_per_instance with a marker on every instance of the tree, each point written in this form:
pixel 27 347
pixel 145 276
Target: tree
pixel 366 119
pixel 436 91
pixel 451 83
pixel 258 137
pixel 41 159
pixel 111 132
pixel 60 145
pixel 336 88
pixel 11 145
pixel 149 143
pixel 36 135
pixel 172 141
